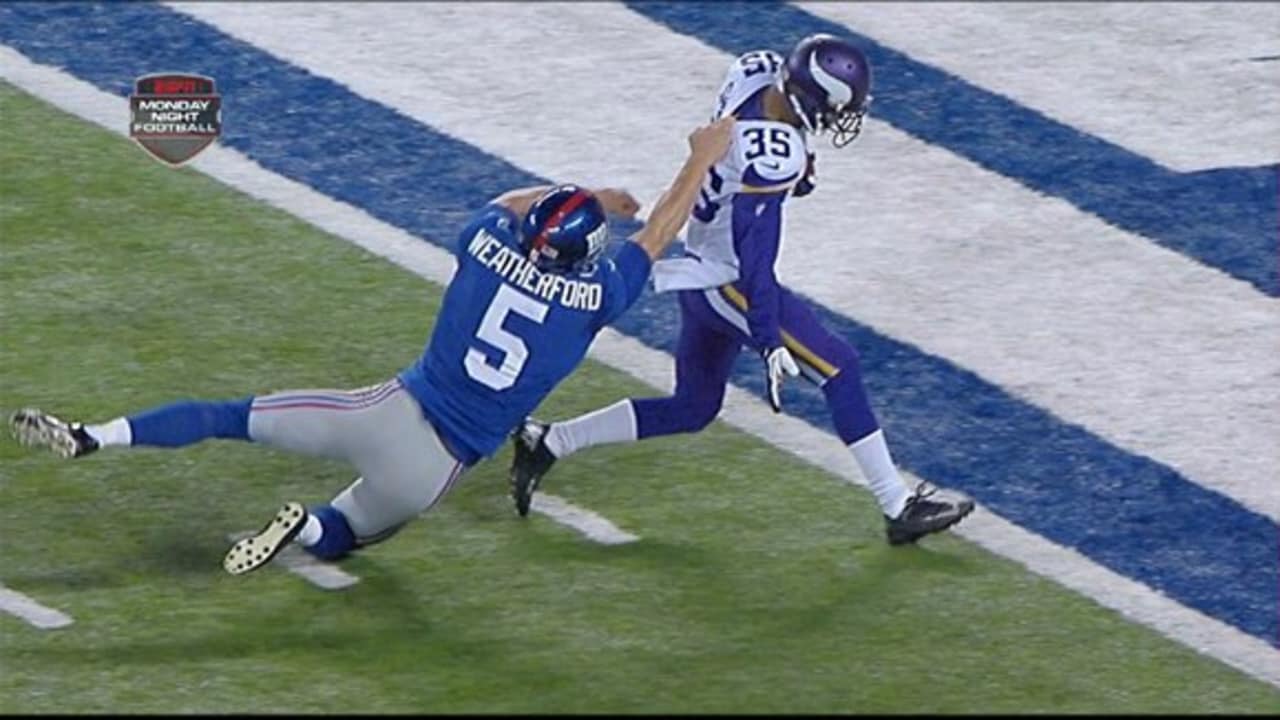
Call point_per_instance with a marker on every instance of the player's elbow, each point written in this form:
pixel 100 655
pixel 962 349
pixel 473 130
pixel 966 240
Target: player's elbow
pixel 653 244
pixel 511 202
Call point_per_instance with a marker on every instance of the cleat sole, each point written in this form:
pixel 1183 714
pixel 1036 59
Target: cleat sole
pixel 257 550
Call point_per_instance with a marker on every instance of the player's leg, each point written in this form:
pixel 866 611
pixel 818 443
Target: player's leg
pixel 833 364
pixel 405 469
pixel 322 423
pixel 173 425
pixel 185 422
pixel 705 353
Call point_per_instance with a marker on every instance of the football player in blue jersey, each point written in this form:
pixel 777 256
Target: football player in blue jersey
pixel 730 297
pixel 530 293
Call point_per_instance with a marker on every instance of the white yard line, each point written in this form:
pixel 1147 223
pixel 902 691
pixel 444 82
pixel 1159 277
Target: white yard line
pixel 21 606
pixel 593 525
pixel 323 575
pixel 1134 600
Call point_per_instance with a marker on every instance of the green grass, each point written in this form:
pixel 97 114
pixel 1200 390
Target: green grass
pixel 761 584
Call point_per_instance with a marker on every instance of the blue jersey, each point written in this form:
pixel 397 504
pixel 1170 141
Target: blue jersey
pixel 507 334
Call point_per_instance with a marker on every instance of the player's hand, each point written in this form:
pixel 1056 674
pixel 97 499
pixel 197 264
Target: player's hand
pixel 617 201
pixel 709 143
pixel 778 361
pixel 809 181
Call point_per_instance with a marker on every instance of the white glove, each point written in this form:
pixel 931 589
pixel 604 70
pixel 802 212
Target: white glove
pixel 778 361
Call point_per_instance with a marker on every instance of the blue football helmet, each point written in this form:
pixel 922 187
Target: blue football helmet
pixel 565 229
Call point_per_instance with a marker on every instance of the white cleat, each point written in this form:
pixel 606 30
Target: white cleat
pixel 257 550
pixel 35 428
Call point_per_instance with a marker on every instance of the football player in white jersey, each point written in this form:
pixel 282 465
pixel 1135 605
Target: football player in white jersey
pixel 730 297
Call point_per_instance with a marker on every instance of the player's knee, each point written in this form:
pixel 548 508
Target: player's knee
pixel 845 358
pixel 381 536
pixel 699 409
pixel 840 364
pixel 703 416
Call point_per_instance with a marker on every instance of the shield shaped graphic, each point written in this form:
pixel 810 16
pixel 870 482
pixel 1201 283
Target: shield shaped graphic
pixel 173 116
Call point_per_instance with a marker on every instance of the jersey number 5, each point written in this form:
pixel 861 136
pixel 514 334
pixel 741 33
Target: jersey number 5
pixel 491 331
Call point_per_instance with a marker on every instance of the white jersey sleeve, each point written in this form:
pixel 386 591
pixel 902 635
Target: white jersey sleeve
pixel 766 157
pixel 750 72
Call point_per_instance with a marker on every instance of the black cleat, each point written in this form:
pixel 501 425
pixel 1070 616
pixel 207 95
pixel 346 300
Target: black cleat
pixel 532 460
pixel 926 513
pixel 257 550
pixel 32 427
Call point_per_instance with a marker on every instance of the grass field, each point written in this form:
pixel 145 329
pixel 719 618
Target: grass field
pixel 760 585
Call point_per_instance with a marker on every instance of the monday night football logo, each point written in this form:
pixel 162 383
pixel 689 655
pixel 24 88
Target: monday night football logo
pixel 174 116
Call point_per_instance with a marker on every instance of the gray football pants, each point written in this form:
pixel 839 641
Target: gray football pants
pixel 403 464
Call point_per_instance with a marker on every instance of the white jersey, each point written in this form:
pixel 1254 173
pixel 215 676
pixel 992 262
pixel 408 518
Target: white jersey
pixel 766 157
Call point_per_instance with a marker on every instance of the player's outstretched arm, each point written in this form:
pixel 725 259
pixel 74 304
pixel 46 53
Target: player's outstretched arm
pixel 615 201
pixel 707 144
pixel 520 200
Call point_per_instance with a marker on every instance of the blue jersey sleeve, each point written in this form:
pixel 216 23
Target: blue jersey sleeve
pixel 757 233
pixel 624 277
pixel 494 219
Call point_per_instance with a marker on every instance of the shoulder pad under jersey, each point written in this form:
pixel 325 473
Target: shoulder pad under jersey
pixel 745 76
pixel 768 156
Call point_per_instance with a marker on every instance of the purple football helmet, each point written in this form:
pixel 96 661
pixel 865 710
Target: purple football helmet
pixel 828 83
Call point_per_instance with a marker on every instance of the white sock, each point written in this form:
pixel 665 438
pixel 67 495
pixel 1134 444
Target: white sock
pixel 882 476
pixel 116 432
pixel 613 424
pixel 311 531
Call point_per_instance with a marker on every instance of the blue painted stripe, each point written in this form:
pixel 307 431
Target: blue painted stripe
pixel 1124 511
pixel 1227 218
